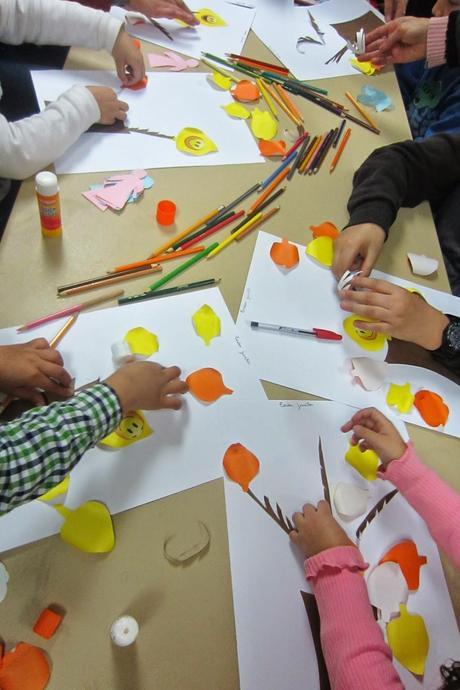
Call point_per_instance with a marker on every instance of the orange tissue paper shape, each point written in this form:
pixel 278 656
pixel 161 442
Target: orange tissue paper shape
pixel 141 84
pixel 24 668
pixel 405 554
pixel 240 465
pixel 245 91
pixel 284 253
pixel 431 407
pixel 272 148
pixel 207 385
pixel 326 229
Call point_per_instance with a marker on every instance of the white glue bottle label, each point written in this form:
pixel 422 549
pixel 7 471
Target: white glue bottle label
pixel 49 206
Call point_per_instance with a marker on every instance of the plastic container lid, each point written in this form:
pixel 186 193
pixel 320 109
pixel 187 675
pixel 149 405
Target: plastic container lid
pixel 46 183
pixel 166 212
pixel 124 631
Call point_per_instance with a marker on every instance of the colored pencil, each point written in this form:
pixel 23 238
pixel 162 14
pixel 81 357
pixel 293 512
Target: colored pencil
pixel 158 259
pixel 172 274
pixel 278 170
pixel 163 247
pixel 269 189
pixel 295 145
pixel 360 109
pixel 262 219
pixel 208 226
pixel 63 330
pixel 240 198
pixel 311 144
pixel 107 280
pixel 336 158
pixel 221 71
pixel 292 107
pixel 361 123
pixel 70 310
pixel 284 107
pixel 324 151
pixel 266 203
pixel 190 241
pixel 258 63
pixel 339 134
pixel 264 91
pixel 299 157
pixel 315 144
pixel 228 240
pixel 169 291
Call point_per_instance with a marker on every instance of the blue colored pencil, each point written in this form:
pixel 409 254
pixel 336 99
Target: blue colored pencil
pixel 276 172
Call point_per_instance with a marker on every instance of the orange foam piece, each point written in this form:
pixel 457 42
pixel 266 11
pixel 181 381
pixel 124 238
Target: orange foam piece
pixel 284 253
pixel 47 623
pixel 431 407
pixel 207 385
pixel 326 229
pixel 405 554
pixel 245 91
pixel 137 43
pixel 141 84
pixel 240 465
pixel 24 668
pixel 271 148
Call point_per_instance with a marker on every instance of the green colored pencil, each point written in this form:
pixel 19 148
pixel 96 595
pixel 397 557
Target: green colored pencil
pixel 172 274
pixel 169 291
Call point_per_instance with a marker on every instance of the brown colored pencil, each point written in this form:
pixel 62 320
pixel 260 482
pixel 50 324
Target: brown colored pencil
pixel 108 280
pixel 266 193
pixel 336 158
pixel 262 219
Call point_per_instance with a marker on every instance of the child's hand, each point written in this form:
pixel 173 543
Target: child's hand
pixel 357 247
pixel 110 107
pixel 396 311
pixel 169 9
pixel 147 386
pixel 394 9
pixel 128 58
pixel 400 40
pixel 372 430
pixel 316 530
pixel 30 367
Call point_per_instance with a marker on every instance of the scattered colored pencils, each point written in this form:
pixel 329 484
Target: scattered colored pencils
pixel 339 152
pixel 158 259
pixel 172 274
pixel 101 281
pixel 169 291
pixel 166 245
pixel 361 110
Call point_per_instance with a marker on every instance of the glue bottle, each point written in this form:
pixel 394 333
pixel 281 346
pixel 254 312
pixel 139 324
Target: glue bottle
pixel 49 206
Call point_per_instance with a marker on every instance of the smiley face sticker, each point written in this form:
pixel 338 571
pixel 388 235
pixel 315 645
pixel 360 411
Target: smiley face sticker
pixel 365 338
pixel 207 17
pixel 132 428
pixel 194 142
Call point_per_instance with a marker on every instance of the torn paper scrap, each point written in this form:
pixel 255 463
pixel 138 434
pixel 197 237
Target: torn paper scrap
pixel 322 250
pixel 370 373
pixel 237 110
pixel 263 124
pixel 270 149
pixel 183 548
pixel 431 407
pixel 142 342
pixel 221 81
pixel 245 91
pixel 374 97
pixel 387 589
pixel 422 265
pixel 350 500
pixel 325 229
pixel 175 62
pixel 347 279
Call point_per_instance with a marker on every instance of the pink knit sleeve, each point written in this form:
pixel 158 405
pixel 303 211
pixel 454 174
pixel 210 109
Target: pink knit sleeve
pixel 436 502
pixel 353 646
pixel 436 41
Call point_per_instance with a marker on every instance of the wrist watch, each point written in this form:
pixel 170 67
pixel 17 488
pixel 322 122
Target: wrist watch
pixel 450 346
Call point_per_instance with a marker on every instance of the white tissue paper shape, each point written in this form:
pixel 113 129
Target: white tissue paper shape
pixel 350 500
pixel 422 265
pixel 370 373
pixel 387 589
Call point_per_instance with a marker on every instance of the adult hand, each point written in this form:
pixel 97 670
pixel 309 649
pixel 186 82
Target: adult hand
pixel 395 311
pixel 357 247
pixel 394 9
pixel 169 9
pixel 401 40
pixel 31 367
pixel 316 530
pixel 110 107
pixel 372 430
pixel 148 386
pixel 128 58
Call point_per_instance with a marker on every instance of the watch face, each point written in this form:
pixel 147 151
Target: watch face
pixel 453 335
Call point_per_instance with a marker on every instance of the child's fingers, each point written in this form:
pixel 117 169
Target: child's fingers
pixel 38 343
pixel 170 373
pixel 298 519
pixel 171 402
pixel 370 437
pixel 56 372
pixel 50 355
pixel 294 536
pixel 175 386
pixel 375 326
pixel 27 393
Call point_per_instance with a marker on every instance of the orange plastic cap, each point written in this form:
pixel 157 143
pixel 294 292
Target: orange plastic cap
pixel 166 212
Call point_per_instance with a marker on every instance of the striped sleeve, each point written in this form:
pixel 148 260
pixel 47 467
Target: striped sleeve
pixel 39 449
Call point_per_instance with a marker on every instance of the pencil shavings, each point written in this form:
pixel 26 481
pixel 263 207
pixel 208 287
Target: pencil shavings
pixel 240 465
pixel 245 91
pixel 206 323
pixel 175 62
pixel 142 342
pixel 118 190
pixel 88 528
pixel 322 250
pixel 400 397
pixel 194 142
pixel 132 428
pixel 207 385
pixel 221 81
pixel 408 639
pixel 326 229
pixel 405 554
pixel 263 124
pixel 24 668
pixel 284 254
pixel 431 408
pixel 237 110
pixel 4 577
pixel 365 462
pixel 365 338
pixel 183 548
pixel 370 373
pixel 387 589
pixel 271 149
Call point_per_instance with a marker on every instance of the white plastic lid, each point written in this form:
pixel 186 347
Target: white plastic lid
pixel 46 183
pixel 124 631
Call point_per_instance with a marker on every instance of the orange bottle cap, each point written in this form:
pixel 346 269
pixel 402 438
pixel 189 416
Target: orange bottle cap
pixel 166 212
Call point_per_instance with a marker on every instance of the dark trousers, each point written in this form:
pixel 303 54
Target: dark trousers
pixel 447 219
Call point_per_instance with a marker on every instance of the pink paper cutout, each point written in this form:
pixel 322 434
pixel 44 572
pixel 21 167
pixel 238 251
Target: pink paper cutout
pixel 117 195
pixel 176 63
pixel 91 195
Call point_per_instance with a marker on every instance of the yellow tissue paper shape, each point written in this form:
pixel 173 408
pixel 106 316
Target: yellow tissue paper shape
pixel 364 67
pixel 221 81
pixel 56 491
pixel 132 428
pixel 321 249
pixel 367 339
pixel 400 397
pixel 141 341
pixel 207 17
pixel 364 462
pixel 237 110
pixel 194 141
pixel 408 640
pixel 263 124
pixel 206 323
pixel 89 527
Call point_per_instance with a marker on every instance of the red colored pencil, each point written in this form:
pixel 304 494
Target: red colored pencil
pixel 212 230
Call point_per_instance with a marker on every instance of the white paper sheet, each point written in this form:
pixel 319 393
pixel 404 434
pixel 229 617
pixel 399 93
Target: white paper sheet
pixel 305 298
pixel 180 453
pixel 193 40
pixel 279 23
pixel 170 102
pixel 275 647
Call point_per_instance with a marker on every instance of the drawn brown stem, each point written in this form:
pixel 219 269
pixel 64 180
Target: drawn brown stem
pixel 374 512
pixel 280 519
pixel 149 133
pixel 327 494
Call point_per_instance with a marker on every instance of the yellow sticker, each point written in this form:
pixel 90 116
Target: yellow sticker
pixel 263 124
pixel 408 640
pixel 194 141
pixel 365 462
pixel 132 428
pixel 221 81
pixel 365 338
pixel 88 528
pixel 56 491
pixel 237 110
pixel 400 397
pixel 207 17
pixel 364 67
pixel 206 323
pixel 141 341
pixel 321 249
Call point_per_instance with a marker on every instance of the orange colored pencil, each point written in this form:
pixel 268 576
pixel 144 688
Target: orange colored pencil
pixel 266 193
pixel 361 110
pixel 307 160
pixel 112 278
pixel 262 219
pixel 158 259
pixel 290 104
pixel 276 97
pixel 336 158
pixel 62 331
pixel 163 247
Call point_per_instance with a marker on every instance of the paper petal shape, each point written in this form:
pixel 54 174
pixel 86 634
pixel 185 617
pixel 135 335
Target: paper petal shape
pixel 245 91
pixel 263 124
pixel 221 81
pixel 272 148
pixel 387 589
pixel 192 541
pixel 240 465
pixel 141 341
pixel 408 640
pixel 208 17
pixel 350 500
pixel 206 323
pixel 367 339
pixel 237 110
pixel 369 372
pixel 56 494
pixel 326 229
pixel 89 527
pixel 4 577
pixel 422 265
pixel 405 554
pixel 365 462
pixel 139 85
pixel 432 408
pixel 24 668
pixel 132 428
pixel 195 142
pixel 322 250
pixel 284 253
pixel 400 397
pixel 207 385
pixel 365 67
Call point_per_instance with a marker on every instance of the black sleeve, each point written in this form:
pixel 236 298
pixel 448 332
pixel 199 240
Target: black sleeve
pixel 453 39
pixel 404 174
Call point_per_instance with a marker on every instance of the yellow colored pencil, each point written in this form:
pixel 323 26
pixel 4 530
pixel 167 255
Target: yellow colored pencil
pixel 163 247
pixel 267 98
pixel 288 101
pixel 361 110
pixel 262 219
pixel 276 97
pixel 235 235
pixel 221 71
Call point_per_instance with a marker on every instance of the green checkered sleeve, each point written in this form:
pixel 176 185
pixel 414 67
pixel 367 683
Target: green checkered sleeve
pixel 39 449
